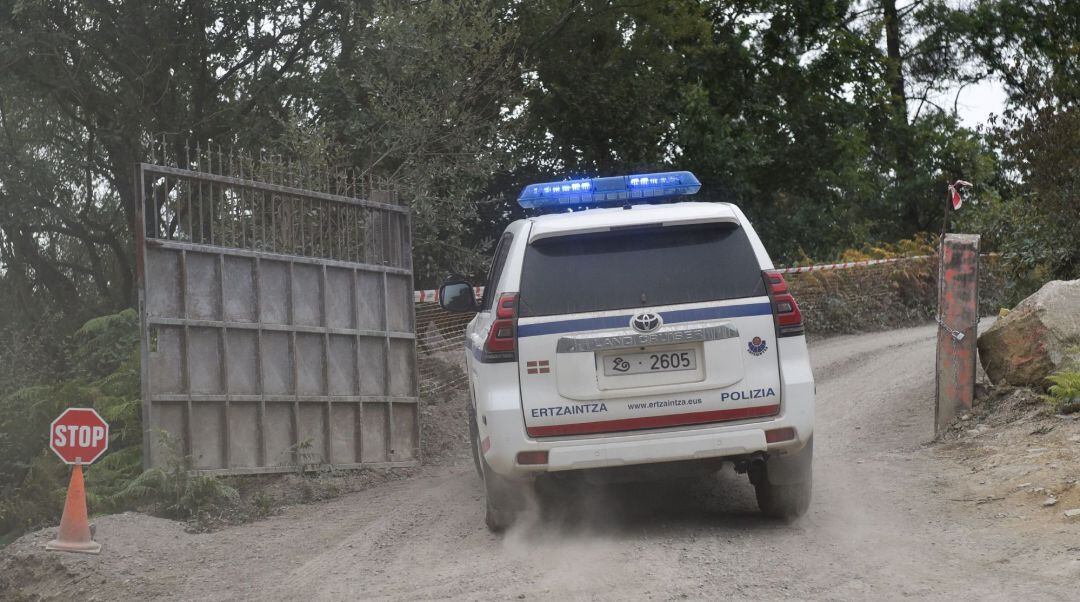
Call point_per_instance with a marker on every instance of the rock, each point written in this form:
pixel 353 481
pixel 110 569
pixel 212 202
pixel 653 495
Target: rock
pixel 1050 501
pixel 1074 513
pixel 1035 338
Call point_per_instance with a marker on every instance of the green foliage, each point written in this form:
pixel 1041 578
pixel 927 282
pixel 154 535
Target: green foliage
pixel 105 343
pixel 174 490
pixel 1030 46
pixel 39 498
pixel 919 245
pixel 104 375
pixel 426 115
pixel 263 504
pixel 794 110
pixel 1064 393
pixel 1034 225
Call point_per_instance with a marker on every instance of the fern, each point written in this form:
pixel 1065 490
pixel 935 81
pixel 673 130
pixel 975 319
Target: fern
pixel 173 489
pixel 1065 390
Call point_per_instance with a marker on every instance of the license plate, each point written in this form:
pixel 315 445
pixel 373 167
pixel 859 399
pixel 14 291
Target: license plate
pixel 621 364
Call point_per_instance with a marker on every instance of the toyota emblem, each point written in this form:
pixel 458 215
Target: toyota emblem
pixel 646 322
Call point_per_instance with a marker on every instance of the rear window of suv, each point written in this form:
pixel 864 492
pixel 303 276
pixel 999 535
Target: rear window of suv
pixel 638 267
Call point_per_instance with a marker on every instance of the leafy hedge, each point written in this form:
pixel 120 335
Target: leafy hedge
pixel 894 295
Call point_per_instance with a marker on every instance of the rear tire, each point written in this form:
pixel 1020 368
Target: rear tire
pixel 498 515
pixel 783 485
pixel 503 499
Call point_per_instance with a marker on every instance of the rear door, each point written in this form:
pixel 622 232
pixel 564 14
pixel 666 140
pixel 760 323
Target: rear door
pixel 644 328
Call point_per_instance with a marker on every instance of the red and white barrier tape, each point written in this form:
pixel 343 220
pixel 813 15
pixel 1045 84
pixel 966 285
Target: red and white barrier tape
pixel 844 266
pixel 433 296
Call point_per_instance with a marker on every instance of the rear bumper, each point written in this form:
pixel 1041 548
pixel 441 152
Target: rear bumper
pixel 503 435
pixel 668 449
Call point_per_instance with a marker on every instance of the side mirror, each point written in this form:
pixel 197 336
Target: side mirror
pixel 457 296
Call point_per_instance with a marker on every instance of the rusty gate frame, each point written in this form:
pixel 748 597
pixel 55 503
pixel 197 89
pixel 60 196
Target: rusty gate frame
pixel 147 242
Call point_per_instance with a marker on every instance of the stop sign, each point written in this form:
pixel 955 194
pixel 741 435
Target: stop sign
pixel 79 436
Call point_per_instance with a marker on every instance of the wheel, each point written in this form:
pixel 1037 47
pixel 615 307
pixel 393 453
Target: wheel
pixel 783 484
pixel 499 514
pixel 503 499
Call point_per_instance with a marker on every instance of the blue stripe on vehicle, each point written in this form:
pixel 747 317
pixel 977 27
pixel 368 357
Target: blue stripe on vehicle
pixel 670 317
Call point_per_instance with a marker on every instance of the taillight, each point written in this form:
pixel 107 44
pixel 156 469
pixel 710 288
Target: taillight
pixel 527 458
pixel 501 345
pixel 789 321
pixel 777 435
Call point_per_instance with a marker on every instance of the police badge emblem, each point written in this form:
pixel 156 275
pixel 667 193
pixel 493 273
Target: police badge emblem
pixel 757 346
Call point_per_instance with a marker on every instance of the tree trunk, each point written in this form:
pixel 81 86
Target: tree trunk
pixel 901 142
pixel 895 62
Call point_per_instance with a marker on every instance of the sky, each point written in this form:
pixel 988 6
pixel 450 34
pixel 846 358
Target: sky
pixel 978 102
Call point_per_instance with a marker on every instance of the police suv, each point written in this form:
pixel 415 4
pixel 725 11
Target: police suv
pixel 626 335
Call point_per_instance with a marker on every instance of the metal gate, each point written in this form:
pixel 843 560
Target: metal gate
pixel 277 317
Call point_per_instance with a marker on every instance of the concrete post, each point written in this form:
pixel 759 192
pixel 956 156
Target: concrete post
pixel 958 319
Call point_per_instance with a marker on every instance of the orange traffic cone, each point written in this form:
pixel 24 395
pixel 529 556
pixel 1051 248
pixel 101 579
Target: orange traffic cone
pixel 75 533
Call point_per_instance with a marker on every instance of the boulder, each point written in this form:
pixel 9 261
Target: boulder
pixel 1036 338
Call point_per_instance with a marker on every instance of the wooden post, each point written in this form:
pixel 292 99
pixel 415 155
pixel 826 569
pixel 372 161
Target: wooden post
pixel 958 319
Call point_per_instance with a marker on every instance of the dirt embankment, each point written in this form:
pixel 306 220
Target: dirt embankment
pixel 1023 457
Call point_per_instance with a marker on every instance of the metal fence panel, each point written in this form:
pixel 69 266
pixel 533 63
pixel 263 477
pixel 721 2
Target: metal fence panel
pixel 278 324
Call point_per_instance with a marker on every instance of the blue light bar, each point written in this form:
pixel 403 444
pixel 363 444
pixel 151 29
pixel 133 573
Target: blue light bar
pixel 615 190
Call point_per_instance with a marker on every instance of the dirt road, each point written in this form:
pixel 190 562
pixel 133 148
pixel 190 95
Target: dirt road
pixel 891 518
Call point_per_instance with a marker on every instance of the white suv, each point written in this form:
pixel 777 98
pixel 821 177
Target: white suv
pixel 637 340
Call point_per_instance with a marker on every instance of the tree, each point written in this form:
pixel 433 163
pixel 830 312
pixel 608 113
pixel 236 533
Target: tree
pixel 89 85
pixel 83 89
pixel 1031 47
pixel 417 98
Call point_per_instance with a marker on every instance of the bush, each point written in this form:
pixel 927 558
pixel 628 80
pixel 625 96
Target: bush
pixel 105 344
pixel 174 491
pixel 1034 223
